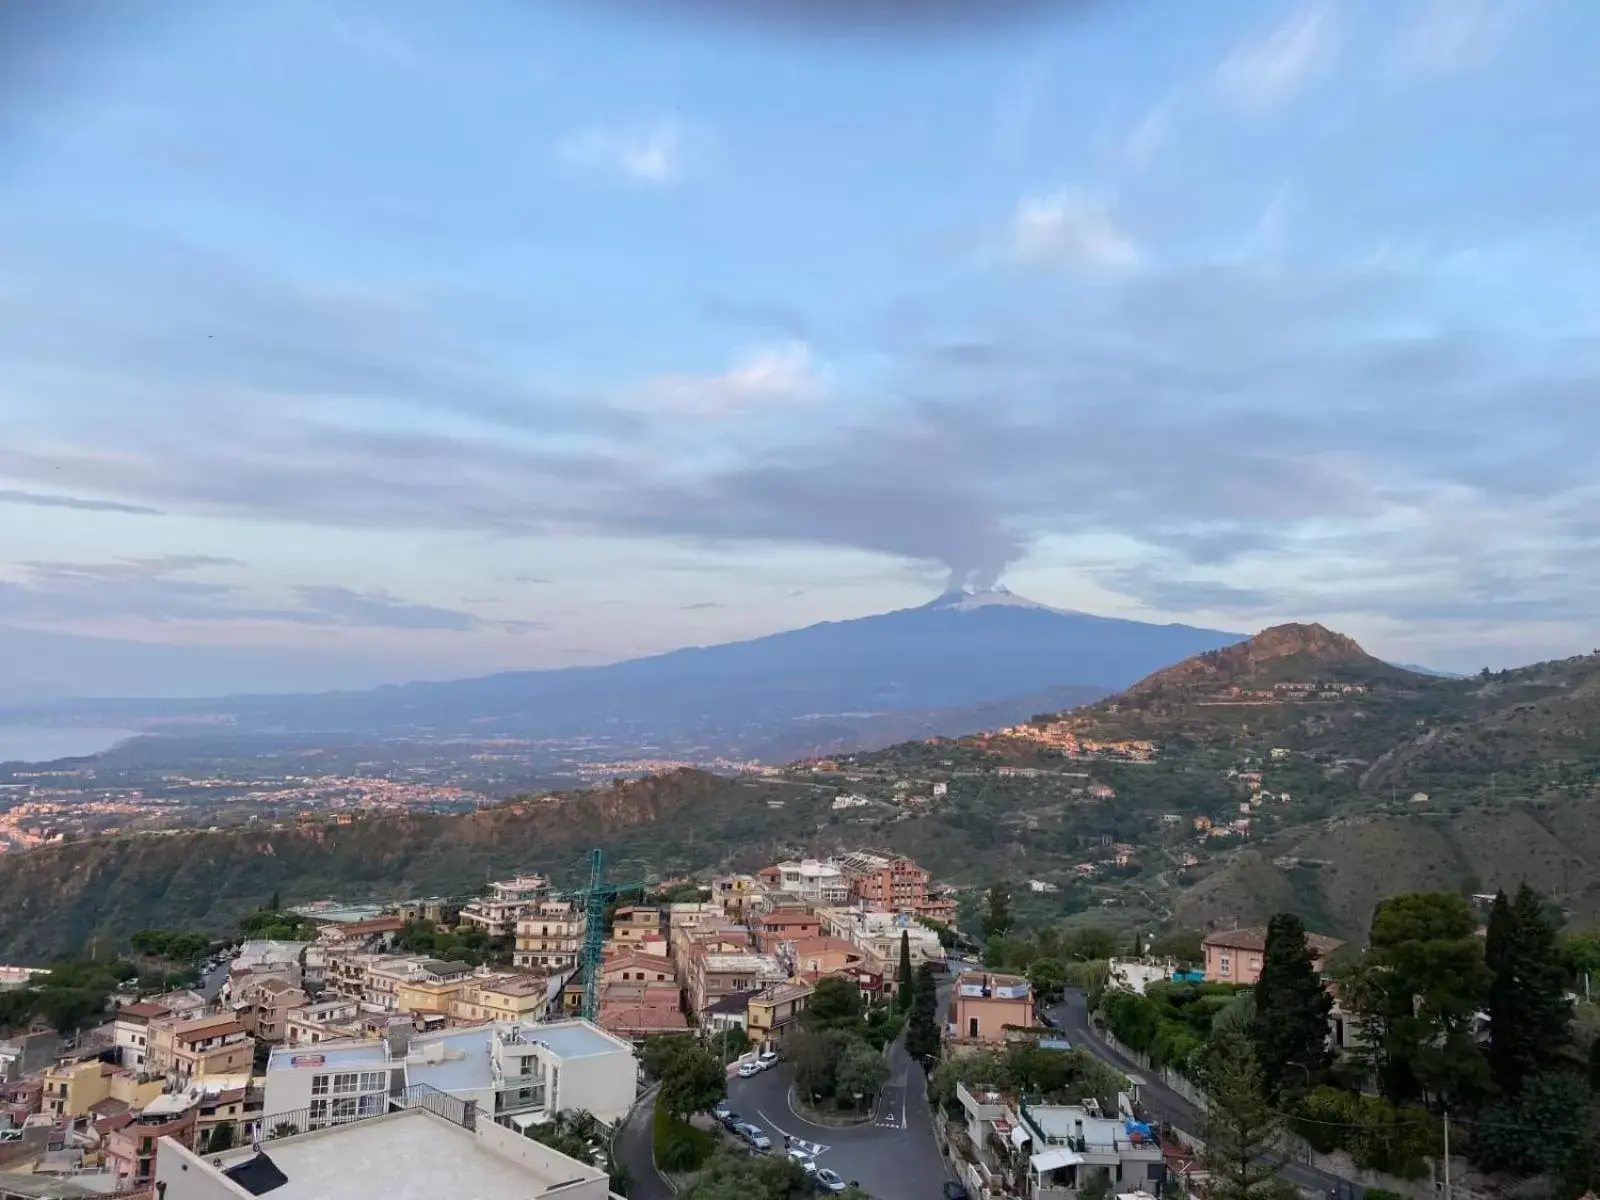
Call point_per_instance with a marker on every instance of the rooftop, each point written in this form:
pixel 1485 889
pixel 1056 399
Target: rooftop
pixel 410 1153
pixel 143 1009
pixel 331 1054
pixel 763 964
pixel 443 966
pixel 1256 939
pixel 574 1039
pixel 204 1027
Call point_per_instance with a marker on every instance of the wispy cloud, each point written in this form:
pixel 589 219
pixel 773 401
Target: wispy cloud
pixel 47 500
pixel 779 374
pixel 652 154
pixel 1443 37
pixel 1265 71
pixel 1071 228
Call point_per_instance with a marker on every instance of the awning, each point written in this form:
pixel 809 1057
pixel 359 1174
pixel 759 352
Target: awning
pixel 1054 1159
pixel 1019 1137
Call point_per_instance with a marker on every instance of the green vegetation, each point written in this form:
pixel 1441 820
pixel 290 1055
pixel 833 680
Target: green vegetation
pixel 678 1145
pixel 181 946
pixel 1243 1126
pixel 468 944
pixel 904 979
pixel 1530 1017
pixel 733 1176
pixel 692 1077
pixel 1170 1022
pixel 997 915
pixel 1289 1026
pixel 922 1026
pixel 1377 1135
pixel 581 1135
pixel 74 994
pixel 272 925
pixel 1064 1076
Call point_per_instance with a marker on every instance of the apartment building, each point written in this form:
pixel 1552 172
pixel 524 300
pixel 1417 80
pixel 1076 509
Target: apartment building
pixel 508 900
pixel 784 925
pixel 820 955
pixel 71 1089
pixel 635 1011
pixel 983 1004
pixel 635 924
pixel 877 935
pixel 715 974
pixel 203 1046
pixel 133 1151
pixel 325 1021
pixel 550 936
pixel 1236 955
pixel 732 893
pixel 264 1005
pixel 434 986
pixel 375 933
pixel 773 1010
pixel 812 880
pixel 638 968
pixel 130 1028
pixel 884 883
pixel 508 998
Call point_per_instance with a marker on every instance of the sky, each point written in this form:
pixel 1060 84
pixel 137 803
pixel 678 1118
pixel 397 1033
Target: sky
pixel 350 342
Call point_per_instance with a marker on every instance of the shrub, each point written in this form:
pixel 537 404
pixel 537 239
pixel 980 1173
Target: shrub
pixel 678 1145
pixel 1377 1135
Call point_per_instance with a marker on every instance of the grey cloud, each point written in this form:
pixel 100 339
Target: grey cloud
pixel 702 605
pixel 46 500
pixel 342 606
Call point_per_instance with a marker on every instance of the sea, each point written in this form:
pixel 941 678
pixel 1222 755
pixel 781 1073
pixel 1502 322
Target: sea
pixel 42 743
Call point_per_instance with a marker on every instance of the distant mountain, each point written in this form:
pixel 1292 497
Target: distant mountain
pixel 957 652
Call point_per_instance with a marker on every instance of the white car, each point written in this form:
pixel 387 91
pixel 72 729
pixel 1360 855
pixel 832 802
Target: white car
pixel 768 1057
pixel 830 1180
pixel 747 1069
pixel 807 1163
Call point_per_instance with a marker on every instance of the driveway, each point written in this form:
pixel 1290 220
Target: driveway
pixel 1072 1017
pixel 895 1157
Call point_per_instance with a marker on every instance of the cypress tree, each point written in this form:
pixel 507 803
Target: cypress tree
pixel 907 985
pixel 1530 1017
pixel 1290 1027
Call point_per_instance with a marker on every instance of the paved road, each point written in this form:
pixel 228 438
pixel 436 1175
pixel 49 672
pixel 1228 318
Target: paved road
pixel 1072 1016
pixel 896 1157
pixel 633 1151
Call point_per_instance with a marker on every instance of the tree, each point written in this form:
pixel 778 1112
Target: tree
pixel 1290 1026
pixel 1090 944
pixel 1049 979
pixel 862 1072
pixel 1530 1017
pixel 730 1176
pixel 1594 1064
pixel 1242 1126
pixel 905 984
pixel 1418 991
pixel 816 1054
pixel 922 1025
pixel 694 1081
pixel 222 1137
pixel 835 1004
pixel 1536 1131
pixel 1182 945
pixel 997 915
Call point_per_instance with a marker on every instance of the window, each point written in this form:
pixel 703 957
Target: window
pixel 344 1108
pixel 319 1110
pixel 373 1081
pixel 1223 969
pixel 346 1083
pixel 319 1085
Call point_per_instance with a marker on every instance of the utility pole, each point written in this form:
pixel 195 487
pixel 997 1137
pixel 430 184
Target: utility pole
pixel 1447 1154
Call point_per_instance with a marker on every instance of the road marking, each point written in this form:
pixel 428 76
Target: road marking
pixel 797 1143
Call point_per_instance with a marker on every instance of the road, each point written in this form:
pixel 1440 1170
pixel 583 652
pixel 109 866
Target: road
pixel 633 1150
pixel 1072 1017
pixel 896 1157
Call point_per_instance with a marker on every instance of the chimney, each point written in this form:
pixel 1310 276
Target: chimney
pixel 398 1038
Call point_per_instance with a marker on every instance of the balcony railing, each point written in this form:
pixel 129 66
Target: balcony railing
pixel 419 1095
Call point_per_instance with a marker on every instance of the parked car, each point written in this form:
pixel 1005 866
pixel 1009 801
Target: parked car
pixel 807 1163
pixel 830 1181
pixel 768 1056
pixel 756 1136
pixel 747 1069
pixel 722 1112
pixel 730 1120
pixel 954 1190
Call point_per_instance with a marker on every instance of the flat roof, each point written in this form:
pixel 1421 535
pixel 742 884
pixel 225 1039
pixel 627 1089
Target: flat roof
pixel 332 1054
pixel 465 1066
pixel 412 1153
pixel 578 1039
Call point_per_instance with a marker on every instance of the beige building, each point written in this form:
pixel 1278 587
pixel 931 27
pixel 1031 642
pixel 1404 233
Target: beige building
pixel 772 1010
pixel 983 1004
pixel 216 1045
pixel 515 998
pixel 508 901
pixel 435 985
pixel 714 975
pixel 324 1021
pixel 1236 955
pixel 635 924
pixel 264 1005
pixel 550 936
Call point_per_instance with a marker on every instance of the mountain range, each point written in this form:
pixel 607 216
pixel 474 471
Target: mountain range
pixel 1359 779
pixel 938 668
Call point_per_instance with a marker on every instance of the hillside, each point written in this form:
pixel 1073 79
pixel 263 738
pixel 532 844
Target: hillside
pixel 1350 779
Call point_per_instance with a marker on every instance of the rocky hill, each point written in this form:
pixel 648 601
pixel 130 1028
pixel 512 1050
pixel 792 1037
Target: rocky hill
pixel 1355 779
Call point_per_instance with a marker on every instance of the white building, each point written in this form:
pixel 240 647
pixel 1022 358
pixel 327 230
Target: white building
pixel 515 1074
pixel 814 881
pixel 1134 975
pixel 413 1152
pixel 496 914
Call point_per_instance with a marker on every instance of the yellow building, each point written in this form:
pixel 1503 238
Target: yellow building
pixel 73 1089
pixel 773 1009
pixel 504 998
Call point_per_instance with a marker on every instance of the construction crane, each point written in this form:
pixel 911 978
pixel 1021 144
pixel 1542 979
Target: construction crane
pixel 594 897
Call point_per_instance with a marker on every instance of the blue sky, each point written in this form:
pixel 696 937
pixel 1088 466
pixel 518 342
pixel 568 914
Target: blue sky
pixel 346 342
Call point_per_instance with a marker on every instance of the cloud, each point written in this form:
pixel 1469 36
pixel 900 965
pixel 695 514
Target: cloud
pixel 1444 37
pixel 704 604
pixel 1263 72
pixel 1145 140
pixel 780 374
pixel 1070 228
pixel 342 606
pixel 46 500
pixel 651 154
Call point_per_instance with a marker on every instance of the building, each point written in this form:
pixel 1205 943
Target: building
pixel 784 925
pixel 509 1071
pixel 512 998
pixel 885 884
pixel 215 1045
pixel 813 881
pixel 634 924
pixel 1235 955
pixel 1134 975
pixel 24 1053
pixel 508 900
pixel 327 1020
pixel 877 935
pixel 374 933
pixel 713 975
pixel 264 1004
pixel 639 1010
pixel 267 958
pixel 638 968
pixel 130 1027
pixel 550 936
pixel 773 1010
pixel 433 986
pixel 132 1152
pixel 819 955
pixel 71 1089
pixel 983 1004
pixel 733 893
pixel 438 1150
